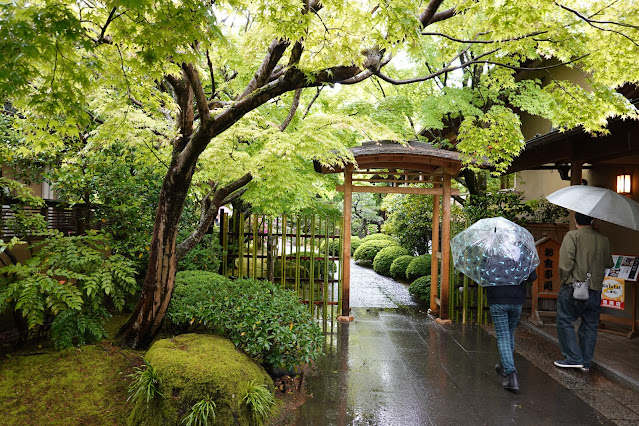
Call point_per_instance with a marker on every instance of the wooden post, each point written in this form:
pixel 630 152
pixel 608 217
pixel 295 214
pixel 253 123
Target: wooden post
pixel 434 261
pixel 346 250
pixel 445 280
pixel 575 179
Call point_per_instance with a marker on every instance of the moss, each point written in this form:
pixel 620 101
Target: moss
pixel 74 386
pixel 196 366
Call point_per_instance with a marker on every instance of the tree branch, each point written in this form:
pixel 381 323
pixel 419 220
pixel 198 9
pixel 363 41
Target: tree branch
pixel 210 64
pixel 207 217
pixel 101 38
pixel 291 113
pixel 275 52
pixel 429 12
pixel 482 41
pixel 196 85
pixel 592 23
pixel 308 108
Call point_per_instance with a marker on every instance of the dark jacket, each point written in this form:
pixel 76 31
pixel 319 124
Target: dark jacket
pixel 509 294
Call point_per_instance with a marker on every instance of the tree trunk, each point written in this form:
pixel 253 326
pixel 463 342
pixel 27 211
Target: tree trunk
pixel 146 319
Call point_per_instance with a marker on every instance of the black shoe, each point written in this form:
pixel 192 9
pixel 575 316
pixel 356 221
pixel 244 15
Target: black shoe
pixel 510 382
pixel 498 370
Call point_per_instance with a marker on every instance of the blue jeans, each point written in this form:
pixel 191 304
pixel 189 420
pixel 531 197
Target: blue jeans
pixel 568 310
pixel 505 318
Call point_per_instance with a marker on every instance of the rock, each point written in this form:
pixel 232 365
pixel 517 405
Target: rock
pixel 193 367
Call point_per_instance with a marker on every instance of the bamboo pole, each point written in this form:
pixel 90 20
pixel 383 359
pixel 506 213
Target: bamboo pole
pixel 311 298
pixel 240 239
pixel 283 254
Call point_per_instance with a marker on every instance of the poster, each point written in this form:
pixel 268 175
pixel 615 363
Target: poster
pixel 612 293
pixel 625 267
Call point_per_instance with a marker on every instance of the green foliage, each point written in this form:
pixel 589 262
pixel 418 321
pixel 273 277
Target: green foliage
pixel 145 385
pixel 420 288
pixel 264 320
pixel 73 273
pixel 319 264
pixel 334 247
pixel 410 220
pixel 367 250
pixel 543 211
pixel 384 259
pixel 418 267
pixel 379 236
pixel 399 266
pixel 506 204
pixel 72 327
pixel 206 256
pixel 355 242
pixel 260 401
pixel 201 413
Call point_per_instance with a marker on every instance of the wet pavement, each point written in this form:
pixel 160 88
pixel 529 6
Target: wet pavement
pixel 395 365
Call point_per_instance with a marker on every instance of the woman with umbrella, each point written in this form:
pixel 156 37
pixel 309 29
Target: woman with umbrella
pixel 501 256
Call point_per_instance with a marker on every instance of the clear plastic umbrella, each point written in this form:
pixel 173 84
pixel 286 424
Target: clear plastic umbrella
pixel 495 251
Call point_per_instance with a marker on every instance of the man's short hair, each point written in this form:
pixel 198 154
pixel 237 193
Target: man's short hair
pixel 583 220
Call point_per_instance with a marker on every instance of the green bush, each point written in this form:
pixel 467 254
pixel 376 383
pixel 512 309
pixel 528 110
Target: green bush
pixel 399 265
pixel 334 247
pixel 419 267
pixel 206 256
pixel 420 288
pixel 318 265
pixel 367 251
pixel 264 320
pixel 70 279
pixel 355 242
pixel 384 259
pixel 379 236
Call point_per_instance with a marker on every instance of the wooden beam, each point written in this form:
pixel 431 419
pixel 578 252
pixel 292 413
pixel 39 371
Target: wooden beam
pixel 445 280
pixel 434 260
pixel 397 190
pixel 346 250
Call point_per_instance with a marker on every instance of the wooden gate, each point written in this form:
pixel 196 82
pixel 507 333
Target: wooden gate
pixel 302 253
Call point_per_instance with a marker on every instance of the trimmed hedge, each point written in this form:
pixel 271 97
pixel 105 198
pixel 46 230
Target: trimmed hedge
pixel 419 267
pixel 367 251
pixel 379 236
pixel 420 288
pixel 355 242
pixel 399 265
pixel 261 318
pixel 384 259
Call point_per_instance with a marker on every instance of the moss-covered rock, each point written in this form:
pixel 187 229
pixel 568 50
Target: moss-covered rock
pixel 193 367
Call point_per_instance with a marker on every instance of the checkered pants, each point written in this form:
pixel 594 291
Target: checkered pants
pixel 505 318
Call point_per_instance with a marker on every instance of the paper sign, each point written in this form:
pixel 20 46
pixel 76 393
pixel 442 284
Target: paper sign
pixel 612 293
pixel 626 267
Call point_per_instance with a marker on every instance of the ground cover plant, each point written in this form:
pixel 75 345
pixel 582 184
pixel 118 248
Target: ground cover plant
pixel 259 317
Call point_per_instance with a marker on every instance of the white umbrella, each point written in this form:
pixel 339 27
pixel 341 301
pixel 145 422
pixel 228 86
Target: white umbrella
pixel 600 203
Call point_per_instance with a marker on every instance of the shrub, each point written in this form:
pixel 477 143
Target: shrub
pixel 334 247
pixel 70 279
pixel 384 259
pixel 420 288
pixel 367 251
pixel 206 256
pixel 419 267
pixel 261 318
pixel 319 264
pixel 355 242
pixel 379 236
pixel 399 265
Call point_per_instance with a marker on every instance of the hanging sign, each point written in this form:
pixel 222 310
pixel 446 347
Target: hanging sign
pixel 612 293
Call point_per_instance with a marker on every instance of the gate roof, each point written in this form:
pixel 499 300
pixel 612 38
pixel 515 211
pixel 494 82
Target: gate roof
pixel 414 155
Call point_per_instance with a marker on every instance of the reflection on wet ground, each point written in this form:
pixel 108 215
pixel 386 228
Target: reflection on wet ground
pixel 394 365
